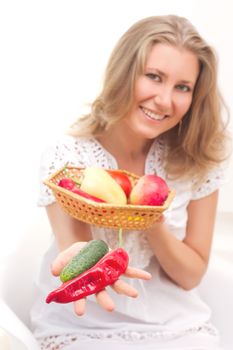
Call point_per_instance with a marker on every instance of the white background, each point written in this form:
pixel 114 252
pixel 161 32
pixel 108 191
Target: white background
pixel 53 55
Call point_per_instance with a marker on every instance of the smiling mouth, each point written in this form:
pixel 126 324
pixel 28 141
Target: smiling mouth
pixel 153 115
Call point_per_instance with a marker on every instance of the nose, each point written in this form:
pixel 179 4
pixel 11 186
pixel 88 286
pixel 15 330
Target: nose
pixel 163 99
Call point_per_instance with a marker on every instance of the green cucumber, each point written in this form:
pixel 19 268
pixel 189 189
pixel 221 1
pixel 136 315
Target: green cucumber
pixel 87 257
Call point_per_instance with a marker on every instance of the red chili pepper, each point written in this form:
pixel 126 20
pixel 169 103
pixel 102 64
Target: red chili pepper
pixel 104 273
pixel 67 183
pixel 70 185
pixel 86 195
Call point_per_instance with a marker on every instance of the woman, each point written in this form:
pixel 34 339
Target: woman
pixel 159 112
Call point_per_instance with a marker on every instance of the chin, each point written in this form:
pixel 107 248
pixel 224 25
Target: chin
pixel 142 131
pixel 148 135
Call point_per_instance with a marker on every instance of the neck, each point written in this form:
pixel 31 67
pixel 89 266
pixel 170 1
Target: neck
pixel 127 144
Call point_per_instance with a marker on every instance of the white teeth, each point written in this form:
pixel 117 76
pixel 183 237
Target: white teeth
pixel 152 115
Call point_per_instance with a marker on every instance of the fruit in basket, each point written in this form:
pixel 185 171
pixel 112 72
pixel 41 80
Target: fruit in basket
pixel 149 190
pixel 70 185
pixel 87 257
pixel 99 183
pixel 122 179
pixel 67 183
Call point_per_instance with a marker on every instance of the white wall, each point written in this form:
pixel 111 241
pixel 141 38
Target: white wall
pixel 53 54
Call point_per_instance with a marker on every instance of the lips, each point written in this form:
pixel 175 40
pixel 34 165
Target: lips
pixel 152 115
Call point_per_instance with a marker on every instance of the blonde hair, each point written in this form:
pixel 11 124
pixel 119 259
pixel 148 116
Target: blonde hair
pixel 200 144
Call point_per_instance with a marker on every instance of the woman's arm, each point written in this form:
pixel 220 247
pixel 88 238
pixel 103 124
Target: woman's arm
pixel 185 262
pixel 66 229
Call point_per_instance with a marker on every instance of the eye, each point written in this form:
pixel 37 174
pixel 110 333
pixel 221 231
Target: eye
pixel 153 76
pixel 183 88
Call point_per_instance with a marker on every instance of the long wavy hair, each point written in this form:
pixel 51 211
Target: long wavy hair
pixel 201 141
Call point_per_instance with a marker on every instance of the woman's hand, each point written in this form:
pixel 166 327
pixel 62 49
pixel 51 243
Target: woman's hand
pixel 102 297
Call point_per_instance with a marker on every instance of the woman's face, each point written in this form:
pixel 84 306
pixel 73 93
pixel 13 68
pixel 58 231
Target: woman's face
pixel 163 93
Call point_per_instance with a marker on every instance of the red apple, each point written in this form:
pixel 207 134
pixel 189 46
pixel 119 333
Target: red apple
pixel 149 190
pixel 122 179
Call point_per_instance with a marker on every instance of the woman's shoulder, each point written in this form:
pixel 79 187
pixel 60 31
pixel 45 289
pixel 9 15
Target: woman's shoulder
pixel 212 181
pixel 198 185
pixel 66 141
pixel 65 148
pixel 58 152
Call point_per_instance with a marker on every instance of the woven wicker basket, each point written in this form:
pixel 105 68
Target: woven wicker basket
pixel 129 217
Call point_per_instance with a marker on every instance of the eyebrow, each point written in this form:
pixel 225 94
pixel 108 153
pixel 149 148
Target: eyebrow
pixel 164 75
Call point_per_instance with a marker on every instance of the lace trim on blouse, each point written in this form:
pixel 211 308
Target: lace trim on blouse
pixel 61 341
pixel 214 180
pixel 80 152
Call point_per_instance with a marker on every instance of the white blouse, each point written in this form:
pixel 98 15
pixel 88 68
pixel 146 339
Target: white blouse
pixel 162 310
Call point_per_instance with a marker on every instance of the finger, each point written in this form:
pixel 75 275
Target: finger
pixel 133 272
pixel 161 218
pixel 79 307
pixel 59 263
pixel 105 301
pixel 159 221
pixel 122 287
pixel 64 257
